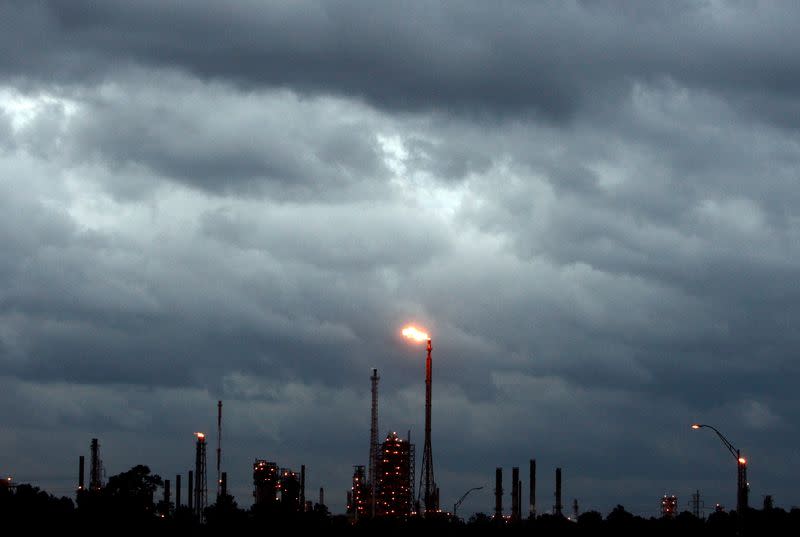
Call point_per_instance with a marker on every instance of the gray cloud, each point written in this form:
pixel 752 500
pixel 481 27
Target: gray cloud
pixel 469 57
pixel 592 207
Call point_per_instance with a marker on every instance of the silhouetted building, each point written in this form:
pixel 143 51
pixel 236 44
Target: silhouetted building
pixel 290 490
pixel 395 477
pixel 357 506
pixel 266 482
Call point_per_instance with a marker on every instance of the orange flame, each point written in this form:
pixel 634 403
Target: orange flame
pixel 415 334
pixel 200 435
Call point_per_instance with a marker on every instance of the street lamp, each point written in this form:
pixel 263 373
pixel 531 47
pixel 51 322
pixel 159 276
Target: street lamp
pixel 461 499
pixel 741 465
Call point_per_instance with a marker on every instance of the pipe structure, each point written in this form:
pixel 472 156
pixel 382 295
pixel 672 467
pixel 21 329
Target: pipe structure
pixel 514 493
pixel 373 443
pixel 80 473
pixel 302 487
pixel 177 491
pixel 96 468
pixel 223 484
pixel 558 507
pixel 190 492
pixel 498 493
pixel 167 498
pixel 200 488
pixel 532 477
pixel 219 446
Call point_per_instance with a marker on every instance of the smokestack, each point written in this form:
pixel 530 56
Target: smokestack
pixel 558 506
pixel 373 442
pixel 431 494
pixel 200 476
pixel 190 491
pixel 498 493
pixel 166 496
pixel 219 446
pixel 532 508
pixel 575 509
pixel 302 487
pixel 514 492
pixel 519 500
pixel 96 469
pixel 80 473
pixel 321 496
pixel 177 491
pixel 223 484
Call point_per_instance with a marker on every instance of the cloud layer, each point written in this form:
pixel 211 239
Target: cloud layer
pixel 592 206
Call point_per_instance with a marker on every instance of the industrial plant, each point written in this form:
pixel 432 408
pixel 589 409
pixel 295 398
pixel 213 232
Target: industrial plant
pixel 387 489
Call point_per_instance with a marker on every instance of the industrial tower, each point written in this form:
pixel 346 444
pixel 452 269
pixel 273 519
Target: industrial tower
pixel 558 507
pixel 357 504
pixel 96 468
pixel 532 506
pixel 200 488
pixel 430 491
pixel 219 447
pixel 394 477
pixel 373 443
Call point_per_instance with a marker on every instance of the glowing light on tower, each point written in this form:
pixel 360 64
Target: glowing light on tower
pixel 428 483
pixel 416 334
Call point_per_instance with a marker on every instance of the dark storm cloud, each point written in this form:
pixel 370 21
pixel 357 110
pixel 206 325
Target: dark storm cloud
pixel 550 58
pixel 258 144
pixel 197 203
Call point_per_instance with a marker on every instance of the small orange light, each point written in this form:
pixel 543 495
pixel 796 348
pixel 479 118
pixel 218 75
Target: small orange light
pixel 742 460
pixel 695 426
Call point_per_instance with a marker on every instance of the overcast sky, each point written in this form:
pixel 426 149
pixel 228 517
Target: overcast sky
pixel 593 207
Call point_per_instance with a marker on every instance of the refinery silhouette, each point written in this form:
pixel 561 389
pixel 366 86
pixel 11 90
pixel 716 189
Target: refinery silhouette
pixel 384 495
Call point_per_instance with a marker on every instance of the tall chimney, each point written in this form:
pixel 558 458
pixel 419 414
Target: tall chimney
pixel 373 444
pixel 532 508
pixel 166 497
pixel 96 468
pixel 223 485
pixel 514 492
pixel 80 474
pixel 558 506
pixel 302 487
pixel 219 445
pixel 498 493
pixel 190 491
pixel 519 500
pixel 321 496
pixel 177 491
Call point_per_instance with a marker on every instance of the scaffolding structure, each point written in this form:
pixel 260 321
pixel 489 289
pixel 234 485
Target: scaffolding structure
pixel 395 477
pixel 357 505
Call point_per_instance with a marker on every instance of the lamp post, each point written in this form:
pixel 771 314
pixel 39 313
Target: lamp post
pixel 741 465
pixel 461 499
pixel 430 491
